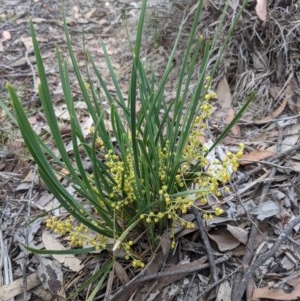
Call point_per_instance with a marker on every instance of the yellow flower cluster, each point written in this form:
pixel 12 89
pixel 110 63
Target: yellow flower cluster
pixel 209 215
pixel 221 169
pixel 164 155
pixel 79 235
pixel 99 141
pixel 136 263
pixel 124 178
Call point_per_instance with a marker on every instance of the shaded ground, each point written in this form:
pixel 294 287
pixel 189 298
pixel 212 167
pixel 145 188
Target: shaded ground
pixel 261 57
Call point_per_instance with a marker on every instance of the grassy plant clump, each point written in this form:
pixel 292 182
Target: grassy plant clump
pixel 168 205
pixel 149 167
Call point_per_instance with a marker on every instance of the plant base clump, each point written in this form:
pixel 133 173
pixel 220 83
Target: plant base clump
pixel 168 206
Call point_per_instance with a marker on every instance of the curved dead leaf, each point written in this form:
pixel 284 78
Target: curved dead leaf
pixel 274 114
pixel 256 156
pixel 51 275
pixel 224 239
pixel 15 288
pixel 5 36
pixel 239 233
pixel 121 273
pixel 265 210
pixel 235 130
pixel 278 293
pixel 224 94
pixel 261 9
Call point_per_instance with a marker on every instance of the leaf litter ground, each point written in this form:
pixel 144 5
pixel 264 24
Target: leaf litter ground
pixel 255 246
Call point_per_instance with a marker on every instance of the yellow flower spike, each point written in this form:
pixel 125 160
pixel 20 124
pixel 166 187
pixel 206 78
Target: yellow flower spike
pixel 208 78
pixel 192 226
pixel 219 211
pixel 134 263
pixel 160 215
pixel 142 265
pixel 207 97
pixel 239 154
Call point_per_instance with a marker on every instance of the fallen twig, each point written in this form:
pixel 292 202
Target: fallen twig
pixel 138 280
pixel 213 267
pixel 210 287
pixel 238 294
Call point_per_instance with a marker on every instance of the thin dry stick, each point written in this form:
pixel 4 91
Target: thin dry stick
pixel 210 287
pixel 213 267
pixel 246 260
pixel 286 279
pixel 25 261
pixel 260 261
pixel 130 286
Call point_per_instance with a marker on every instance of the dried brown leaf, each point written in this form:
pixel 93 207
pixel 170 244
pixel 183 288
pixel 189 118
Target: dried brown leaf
pixel 5 36
pixel 239 233
pixel 121 273
pixel 265 210
pixel 224 94
pixel 274 114
pixel 256 156
pixel 235 129
pixel 224 239
pixel 261 9
pixel 27 41
pixel 291 137
pixel 15 288
pixel 50 275
pixel 224 292
pixel 69 260
pixel 278 293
